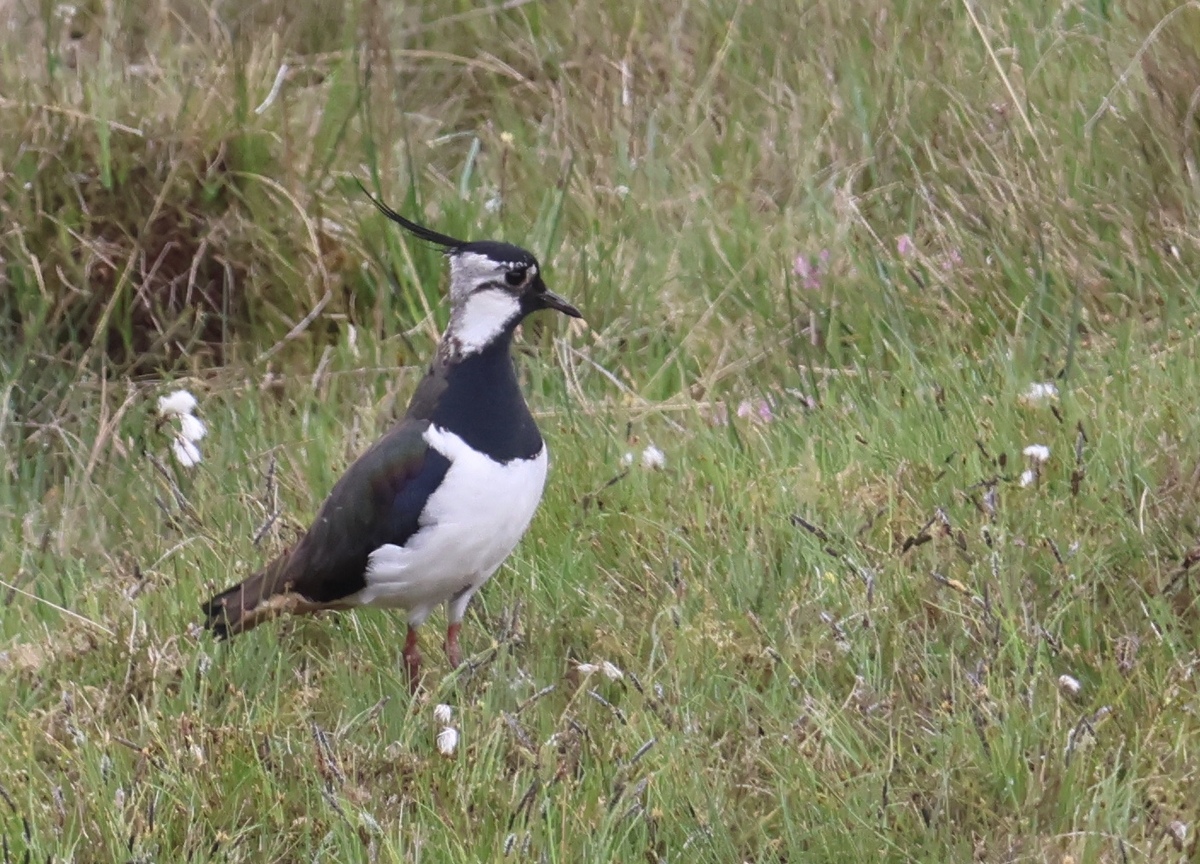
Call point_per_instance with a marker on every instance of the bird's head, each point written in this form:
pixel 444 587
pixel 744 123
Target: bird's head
pixel 493 285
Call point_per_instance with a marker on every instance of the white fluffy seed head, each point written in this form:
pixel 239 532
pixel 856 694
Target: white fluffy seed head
pixel 447 741
pixel 191 427
pixel 176 403
pixel 653 458
pixel 1039 393
pixel 1069 685
pixel 1027 477
pixel 443 713
pixel 186 453
pixel 611 671
pixel 1037 452
pixel 587 668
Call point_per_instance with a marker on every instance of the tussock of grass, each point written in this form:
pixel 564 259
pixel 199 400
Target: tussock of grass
pixel 841 620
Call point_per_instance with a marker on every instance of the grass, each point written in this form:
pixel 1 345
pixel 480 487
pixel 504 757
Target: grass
pixel 840 619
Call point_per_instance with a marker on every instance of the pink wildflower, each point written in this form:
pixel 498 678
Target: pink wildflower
pixel 756 410
pixel 809 271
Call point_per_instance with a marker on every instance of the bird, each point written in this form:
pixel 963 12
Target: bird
pixel 430 511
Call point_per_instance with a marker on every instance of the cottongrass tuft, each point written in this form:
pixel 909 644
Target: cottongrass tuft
pixel 653 459
pixel 179 405
pixel 1069 685
pixel 191 428
pixel 176 404
pixel 1039 393
pixel 447 741
pixel 186 453
pixel 1037 452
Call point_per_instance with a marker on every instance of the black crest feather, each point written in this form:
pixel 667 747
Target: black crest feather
pixel 445 241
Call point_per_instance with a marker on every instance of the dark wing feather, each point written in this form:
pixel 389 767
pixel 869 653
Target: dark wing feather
pixel 377 501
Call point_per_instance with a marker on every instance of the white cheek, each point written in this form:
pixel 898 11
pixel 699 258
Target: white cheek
pixel 483 317
pixel 468 269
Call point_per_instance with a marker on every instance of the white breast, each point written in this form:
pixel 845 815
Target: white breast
pixel 469 526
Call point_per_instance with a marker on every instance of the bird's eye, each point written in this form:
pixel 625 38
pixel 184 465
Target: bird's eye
pixel 515 276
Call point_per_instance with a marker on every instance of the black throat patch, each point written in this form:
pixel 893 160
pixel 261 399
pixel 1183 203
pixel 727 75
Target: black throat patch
pixel 482 404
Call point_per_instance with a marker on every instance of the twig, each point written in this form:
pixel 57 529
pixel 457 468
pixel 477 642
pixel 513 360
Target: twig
pixel 280 76
pixel 466 16
pixel 549 688
pixel 270 496
pixel 1106 102
pixel 180 499
pixel 61 609
pixel 521 734
pixel 641 751
pixel 619 383
pixel 75 115
pixel 1012 93
pixel 620 715
pixel 586 500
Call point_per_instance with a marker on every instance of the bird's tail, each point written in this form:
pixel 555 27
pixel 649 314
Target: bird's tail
pixel 259 598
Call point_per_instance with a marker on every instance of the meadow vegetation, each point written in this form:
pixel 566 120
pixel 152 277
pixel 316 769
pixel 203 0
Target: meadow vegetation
pixel 824 250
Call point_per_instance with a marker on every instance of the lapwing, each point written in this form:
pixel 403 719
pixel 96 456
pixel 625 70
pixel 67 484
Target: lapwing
pixel 428 513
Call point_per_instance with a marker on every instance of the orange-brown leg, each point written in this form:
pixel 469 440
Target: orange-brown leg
pixel 453 652
pixel 412 658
